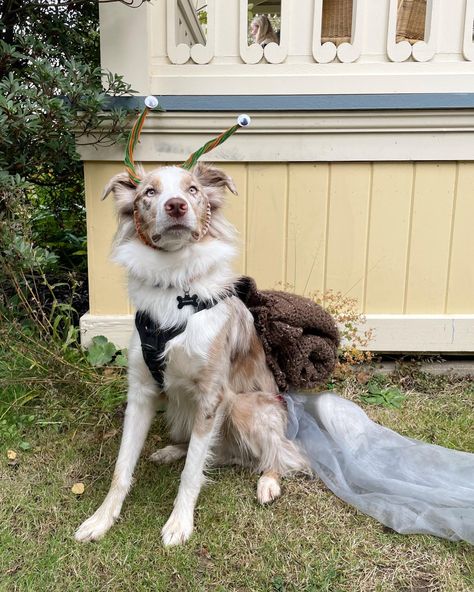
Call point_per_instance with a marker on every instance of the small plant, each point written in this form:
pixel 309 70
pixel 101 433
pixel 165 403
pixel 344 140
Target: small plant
pixel 278 584
pixel 103 352
pixel 28 256
pixel 12 428
pixel 29 291
pixel 354 338
pixel 390 397
pixel 350 321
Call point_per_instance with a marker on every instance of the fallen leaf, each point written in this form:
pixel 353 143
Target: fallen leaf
pixel 78 488
pixel 204 552
pixel 363 377
pixel 13 570
pixel 11 455
pixel 204 557
pixel 109 434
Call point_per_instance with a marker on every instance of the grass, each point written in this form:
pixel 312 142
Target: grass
pixel 308 540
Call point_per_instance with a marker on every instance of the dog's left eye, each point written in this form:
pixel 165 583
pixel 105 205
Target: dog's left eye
pixel 193 190
pixel 150 192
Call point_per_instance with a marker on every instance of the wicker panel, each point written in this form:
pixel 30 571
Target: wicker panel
pixel 337 20
pixel 411 20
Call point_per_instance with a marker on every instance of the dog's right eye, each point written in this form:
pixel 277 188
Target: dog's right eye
pixel 150 192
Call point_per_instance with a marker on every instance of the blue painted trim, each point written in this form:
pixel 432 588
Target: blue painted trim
pixel 242 103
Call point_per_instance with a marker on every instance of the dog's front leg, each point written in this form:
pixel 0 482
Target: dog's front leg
pixel 179 526
pixel 142 403
pixel 138 417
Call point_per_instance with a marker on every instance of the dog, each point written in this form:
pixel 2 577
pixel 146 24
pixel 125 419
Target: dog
pixel 223 405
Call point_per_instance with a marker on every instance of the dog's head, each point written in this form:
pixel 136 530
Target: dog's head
pixel 171 206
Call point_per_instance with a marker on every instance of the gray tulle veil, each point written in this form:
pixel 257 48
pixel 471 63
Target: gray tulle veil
pixel 408 485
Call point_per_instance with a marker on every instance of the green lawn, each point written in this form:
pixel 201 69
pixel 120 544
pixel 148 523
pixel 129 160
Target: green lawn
pixel 306 540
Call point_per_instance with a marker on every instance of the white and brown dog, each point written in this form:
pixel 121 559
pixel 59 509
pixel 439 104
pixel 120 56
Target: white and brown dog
pixel 222 400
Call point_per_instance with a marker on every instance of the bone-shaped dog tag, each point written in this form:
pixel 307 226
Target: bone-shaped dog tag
pixel 187 300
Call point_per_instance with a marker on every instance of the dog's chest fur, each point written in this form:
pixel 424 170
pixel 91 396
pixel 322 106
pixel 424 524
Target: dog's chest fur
pixel 198 359
pixel 190 351
pixel 156 281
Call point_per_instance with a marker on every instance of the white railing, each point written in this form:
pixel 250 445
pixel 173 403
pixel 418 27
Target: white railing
pixel 346 52
pixel 184 36
pixel 383 16
pixel 373 60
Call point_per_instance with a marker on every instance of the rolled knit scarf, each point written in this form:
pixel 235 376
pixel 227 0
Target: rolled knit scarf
pixel 299 337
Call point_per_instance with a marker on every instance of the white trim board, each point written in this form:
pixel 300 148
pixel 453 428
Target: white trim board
pixel 421 333
pixel 391 332
pixel 117 328
pixel 342 136
pixel 269 79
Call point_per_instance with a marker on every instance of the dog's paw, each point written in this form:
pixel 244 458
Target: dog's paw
pixel 177 530
pixel 268 489
pixel 168 454
pixel 95 527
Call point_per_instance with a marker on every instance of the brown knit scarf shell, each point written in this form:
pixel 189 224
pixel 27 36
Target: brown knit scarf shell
pixel 299 337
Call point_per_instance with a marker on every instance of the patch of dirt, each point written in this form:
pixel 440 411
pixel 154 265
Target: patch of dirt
pixel 422 582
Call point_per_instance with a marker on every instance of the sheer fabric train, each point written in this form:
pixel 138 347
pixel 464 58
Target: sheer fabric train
pixel 408 485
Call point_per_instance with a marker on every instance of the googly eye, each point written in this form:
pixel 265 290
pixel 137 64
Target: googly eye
pixel 150 192
pixel 244 120
pixel 193 190
pixel 151 102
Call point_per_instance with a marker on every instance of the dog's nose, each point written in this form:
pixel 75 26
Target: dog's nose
pixel 176 207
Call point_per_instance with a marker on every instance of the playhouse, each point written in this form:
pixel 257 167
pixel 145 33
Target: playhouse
pixel 357 174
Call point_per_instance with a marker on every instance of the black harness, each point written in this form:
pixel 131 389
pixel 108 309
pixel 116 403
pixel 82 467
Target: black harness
pixel 154 339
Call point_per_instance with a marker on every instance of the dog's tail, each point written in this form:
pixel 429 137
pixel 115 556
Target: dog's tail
pixel 408 485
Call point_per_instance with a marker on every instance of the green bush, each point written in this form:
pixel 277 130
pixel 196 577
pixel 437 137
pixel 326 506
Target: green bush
pixel 53 95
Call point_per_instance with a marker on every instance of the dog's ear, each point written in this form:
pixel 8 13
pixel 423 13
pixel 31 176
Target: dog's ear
pixel 124 193
pixel 214 182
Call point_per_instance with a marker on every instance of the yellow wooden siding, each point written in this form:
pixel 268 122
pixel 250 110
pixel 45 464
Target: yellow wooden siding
pixel 396 236
pixel 308 202
pixel 349 200
pixel 107 282
pixel 267 195
pixel 460 288
pixel 388 237
pixel 236 208
pixel 427 272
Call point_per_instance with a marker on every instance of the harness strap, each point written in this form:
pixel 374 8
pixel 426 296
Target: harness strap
pixel 154 339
